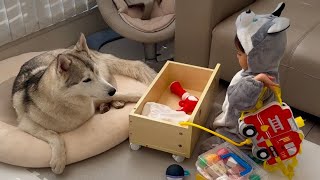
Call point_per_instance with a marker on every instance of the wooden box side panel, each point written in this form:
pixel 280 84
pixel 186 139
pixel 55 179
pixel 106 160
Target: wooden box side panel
pixel 159 135
pixel 204 109
pixel 191 77
pixel 156 88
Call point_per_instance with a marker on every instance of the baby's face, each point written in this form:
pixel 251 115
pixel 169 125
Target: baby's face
pixel 243 60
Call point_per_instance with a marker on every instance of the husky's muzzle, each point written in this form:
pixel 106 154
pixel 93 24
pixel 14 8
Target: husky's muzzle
pixel 112 91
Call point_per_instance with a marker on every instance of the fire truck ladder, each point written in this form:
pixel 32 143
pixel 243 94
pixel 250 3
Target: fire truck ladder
pixel 276 124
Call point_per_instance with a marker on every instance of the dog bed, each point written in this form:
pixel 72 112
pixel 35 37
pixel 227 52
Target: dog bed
pixel 97 135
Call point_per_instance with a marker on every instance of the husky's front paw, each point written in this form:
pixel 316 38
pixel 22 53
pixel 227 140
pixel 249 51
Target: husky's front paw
pixel 104 107
pixel 58 163
pixel 118 104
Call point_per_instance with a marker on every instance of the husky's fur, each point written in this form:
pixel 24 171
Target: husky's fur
pixel 59 90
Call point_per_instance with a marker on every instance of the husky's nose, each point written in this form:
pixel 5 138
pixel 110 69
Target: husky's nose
pixel 248 11
pixel 112 92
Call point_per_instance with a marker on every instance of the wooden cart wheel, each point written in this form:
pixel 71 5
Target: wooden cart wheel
pixel 177 158
pixel 135 147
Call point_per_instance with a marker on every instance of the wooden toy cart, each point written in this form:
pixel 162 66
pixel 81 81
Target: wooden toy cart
pixel 166 136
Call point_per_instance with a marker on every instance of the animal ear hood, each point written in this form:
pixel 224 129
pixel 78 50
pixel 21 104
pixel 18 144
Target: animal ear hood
pixel 263 38
pixel 279 24
pixel 248 24
pixel 279 9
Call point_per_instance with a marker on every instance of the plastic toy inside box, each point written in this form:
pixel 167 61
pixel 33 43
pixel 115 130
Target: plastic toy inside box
pixel 227 162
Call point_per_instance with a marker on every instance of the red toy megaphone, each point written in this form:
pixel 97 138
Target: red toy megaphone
pixel 188 102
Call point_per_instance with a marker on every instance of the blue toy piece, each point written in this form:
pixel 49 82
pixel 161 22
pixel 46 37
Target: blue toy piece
pixel 241 162
pixel 176 172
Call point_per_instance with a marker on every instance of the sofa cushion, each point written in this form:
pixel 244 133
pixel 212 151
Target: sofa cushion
pixel 305 58
pixel 301 80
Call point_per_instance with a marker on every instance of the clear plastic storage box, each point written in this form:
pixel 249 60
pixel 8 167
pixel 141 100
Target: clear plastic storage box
pixel 227 162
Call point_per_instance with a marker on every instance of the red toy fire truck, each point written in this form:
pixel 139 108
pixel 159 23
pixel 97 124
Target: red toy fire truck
pixel 273 131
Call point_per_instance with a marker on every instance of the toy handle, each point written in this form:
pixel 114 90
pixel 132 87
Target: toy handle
pixel 277 92
pixel 245 142
pixel 241 162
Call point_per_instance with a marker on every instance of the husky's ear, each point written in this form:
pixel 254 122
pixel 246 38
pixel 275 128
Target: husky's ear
pixel 63 63
pixel 82 44
pixel 280 24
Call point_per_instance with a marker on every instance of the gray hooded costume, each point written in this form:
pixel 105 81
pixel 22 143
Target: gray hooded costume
pixel 263 38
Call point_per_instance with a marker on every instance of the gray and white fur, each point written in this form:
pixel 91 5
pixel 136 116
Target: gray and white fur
pixel 59 90
pixel 263 38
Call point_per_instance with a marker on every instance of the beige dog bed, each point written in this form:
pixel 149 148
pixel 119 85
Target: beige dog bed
pixel 99 134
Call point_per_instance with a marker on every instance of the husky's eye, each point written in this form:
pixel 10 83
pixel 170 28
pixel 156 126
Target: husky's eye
pixel 87 80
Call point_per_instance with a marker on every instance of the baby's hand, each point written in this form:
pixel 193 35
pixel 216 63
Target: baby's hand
pixel 267 80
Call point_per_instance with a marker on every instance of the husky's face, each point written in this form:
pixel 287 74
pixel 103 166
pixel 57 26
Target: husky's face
pixel 81 77
pixel 78 74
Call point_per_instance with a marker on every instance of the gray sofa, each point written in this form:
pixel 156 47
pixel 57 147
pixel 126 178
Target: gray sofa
pixel 205 32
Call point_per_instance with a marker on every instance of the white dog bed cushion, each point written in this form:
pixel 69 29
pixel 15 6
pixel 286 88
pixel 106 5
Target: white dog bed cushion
pixel 97 135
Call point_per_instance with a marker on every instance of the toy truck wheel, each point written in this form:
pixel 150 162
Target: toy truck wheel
pixel 262 154
pixel 241 126
pixel 177 158
pixel 134 147
pixel 248 130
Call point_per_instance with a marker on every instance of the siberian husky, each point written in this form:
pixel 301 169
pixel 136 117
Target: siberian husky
pixel 59 90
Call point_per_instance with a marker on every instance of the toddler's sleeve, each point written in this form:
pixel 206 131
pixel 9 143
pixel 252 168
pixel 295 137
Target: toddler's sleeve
pixel 244 95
